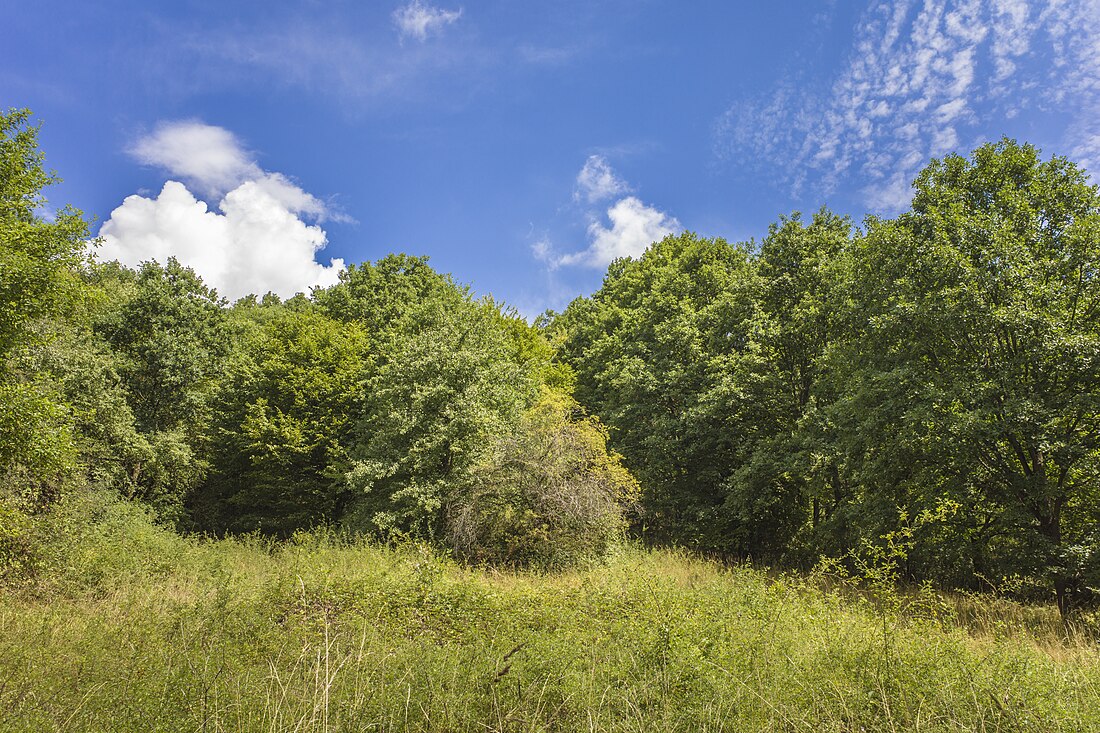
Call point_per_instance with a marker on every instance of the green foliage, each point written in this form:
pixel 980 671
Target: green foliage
pixel 970 372
pixel 786 486
pixel 374 406
pixel 170 335
pixel 36 452
pixel 40 260
pixel 661 353
pixel 168 339
pixel 798 269
pixel 384 297
pixel 282 425
pixel 18 561
pixel 784 401
pixel 703 358
pixel 437 400
pixel 780 401
pixel 39 257
pixel 549 495
pixel 448 375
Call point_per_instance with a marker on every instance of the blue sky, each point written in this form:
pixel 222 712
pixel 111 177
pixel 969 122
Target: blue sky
pixel 520 145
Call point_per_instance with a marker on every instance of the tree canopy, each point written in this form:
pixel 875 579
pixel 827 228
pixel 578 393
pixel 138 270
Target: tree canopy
pixel 935 374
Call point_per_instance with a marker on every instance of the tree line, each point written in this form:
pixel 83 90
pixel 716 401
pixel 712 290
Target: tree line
pixel 394 403
pixel 926 386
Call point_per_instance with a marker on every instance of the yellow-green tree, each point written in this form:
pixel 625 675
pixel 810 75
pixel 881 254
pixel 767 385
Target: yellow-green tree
pixel 41 257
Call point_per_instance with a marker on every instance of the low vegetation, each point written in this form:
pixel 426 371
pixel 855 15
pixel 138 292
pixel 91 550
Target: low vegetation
pixel 136 629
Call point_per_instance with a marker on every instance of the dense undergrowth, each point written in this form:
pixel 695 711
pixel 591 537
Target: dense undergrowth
pixel 123 626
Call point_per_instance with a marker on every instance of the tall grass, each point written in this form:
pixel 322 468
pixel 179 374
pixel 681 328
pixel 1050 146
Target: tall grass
pixel 136 629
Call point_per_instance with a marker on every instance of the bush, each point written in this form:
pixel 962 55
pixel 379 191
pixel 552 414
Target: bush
pixel 91 539
pixel 549 496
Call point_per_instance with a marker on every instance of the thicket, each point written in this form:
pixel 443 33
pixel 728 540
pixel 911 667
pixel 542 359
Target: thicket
pixel 925 389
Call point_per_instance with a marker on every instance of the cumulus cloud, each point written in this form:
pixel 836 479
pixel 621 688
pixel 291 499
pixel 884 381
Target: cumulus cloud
pixel 257 237
pixel 209 158
pixel 597 182
pixel 922 76
pixel 631 226
pixel 419 21
pixel 634 226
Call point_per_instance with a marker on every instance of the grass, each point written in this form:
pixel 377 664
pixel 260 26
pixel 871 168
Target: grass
pixel 135 629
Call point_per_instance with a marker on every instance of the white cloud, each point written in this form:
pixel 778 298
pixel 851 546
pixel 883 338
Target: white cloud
pixel 419 21
pixel 921 76
pixel 254 241
pixel 890 194
pixel 950 111
pixel 543 250
pixel 634 226
pixel 358 68
pixel 597 182
pixel 1011 35
pixel 1087 151
pixel 209 158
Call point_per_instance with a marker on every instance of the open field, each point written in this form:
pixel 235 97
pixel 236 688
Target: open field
pixel 136 629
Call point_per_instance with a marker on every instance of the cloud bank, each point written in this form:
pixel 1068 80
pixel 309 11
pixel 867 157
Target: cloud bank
pixel 922 79
pixel 255 240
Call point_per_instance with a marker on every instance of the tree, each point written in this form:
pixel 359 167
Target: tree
pixel 168 333
pixel 788 483
pixel 973 365
pixel 40 263
pixel 282 426
pixel 40 259
pixel 441 393
pixel 382 297
pixel 663 353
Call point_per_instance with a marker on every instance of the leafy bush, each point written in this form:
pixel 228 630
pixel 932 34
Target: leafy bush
pixel 550 495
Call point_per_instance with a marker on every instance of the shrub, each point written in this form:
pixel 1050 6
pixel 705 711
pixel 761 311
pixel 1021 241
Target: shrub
pixel 548 496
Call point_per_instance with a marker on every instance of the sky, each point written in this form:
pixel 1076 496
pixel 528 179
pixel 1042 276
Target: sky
pixel 521 146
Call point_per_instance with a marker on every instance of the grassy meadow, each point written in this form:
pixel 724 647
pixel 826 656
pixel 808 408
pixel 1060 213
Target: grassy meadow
pixel 127 627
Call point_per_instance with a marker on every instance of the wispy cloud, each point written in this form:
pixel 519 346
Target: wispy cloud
pixel 1073 32
pixel 547 55
pixel 597 182
pixel 361 66
pixel 921 78
pixel 259 236
pixel 543 250
pixel 371 59
pixel 417 20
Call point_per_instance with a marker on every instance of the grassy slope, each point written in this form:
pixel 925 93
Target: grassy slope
pixel 138 630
